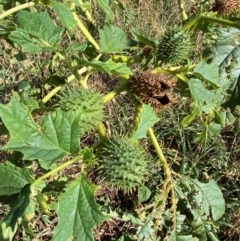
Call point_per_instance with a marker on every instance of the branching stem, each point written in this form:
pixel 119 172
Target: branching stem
pixel 52 172
pixel 16 9
pixel 210 19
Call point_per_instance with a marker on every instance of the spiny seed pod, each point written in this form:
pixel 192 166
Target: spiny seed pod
pixel 226 6
pixel 88 103
pixel 123 163
pixel 152 88
pixel 174 46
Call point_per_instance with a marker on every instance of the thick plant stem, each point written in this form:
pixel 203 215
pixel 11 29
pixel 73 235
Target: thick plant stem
pixel 85 31
pixel 210 19
pixel 59 168
pixel 181 8
pixel 16 9
pixel 112 94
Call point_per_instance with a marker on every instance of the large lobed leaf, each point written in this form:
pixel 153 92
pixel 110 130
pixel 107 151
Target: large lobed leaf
pixel 36 32
pixel 57 135
pixel 78 212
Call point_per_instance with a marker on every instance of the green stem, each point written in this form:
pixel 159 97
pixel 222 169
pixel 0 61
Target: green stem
pixel 128 59
pixel 109 96
pixel 181 8
pixel 101 132
pixel 85 31
pixel 59 168
pixel 167 172
pixel 210 19
pixel 70 79
pixel 16 9
pixel 87 13
pixel 159 151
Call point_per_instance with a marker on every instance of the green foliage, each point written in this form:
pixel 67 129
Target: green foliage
pixel 47 138
pixel 122 163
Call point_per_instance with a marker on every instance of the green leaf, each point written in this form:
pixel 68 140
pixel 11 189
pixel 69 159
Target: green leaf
pixel 44 34
pixel 175 237
pixel 147 120
pixel 9 225
pixel 143 193
pixel 235 97
pixel 65 14
pixel 78 47
pixel 208 72
pixel 104 5
pixel 146 231
pixel 146 40
pixel 204 98
pixel 78 212
pixel 113 39
pixel 109 67
pixel 56 137
pixel 13 179
pixel 212 198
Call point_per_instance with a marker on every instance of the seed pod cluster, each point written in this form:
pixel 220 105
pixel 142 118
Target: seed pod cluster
pixel 123 163
pixel 88 103
pixel 226 6
pixel 154 89
pixel 174 46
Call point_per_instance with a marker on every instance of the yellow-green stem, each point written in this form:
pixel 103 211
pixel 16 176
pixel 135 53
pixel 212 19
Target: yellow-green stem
pixel 210 19
pixel 158 150
pixel 181 8
pixel 85 31
pixel 101 132
pixel 70 79
pixel 59 168
pixel 128 59
pixel 109 96
pixel 87 13
pixel 16 9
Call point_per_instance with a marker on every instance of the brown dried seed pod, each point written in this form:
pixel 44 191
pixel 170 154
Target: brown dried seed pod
pixel 152 88
pixel 226 6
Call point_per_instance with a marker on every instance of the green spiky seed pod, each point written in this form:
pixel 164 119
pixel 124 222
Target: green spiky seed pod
pixel 123 163
pixel 174 47
pixel 88 103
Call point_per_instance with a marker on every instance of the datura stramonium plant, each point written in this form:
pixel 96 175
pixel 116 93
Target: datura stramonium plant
pixel 122 163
